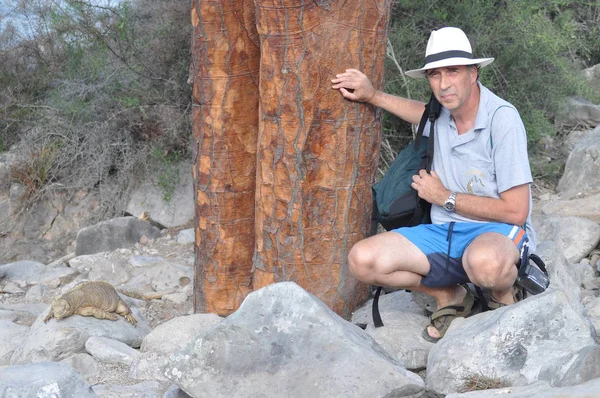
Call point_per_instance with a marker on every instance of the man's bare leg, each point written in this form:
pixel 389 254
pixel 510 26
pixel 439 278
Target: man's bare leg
pixel 489 262
pixel 389 259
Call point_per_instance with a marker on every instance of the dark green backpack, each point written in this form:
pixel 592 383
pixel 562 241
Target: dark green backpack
pixel 395 203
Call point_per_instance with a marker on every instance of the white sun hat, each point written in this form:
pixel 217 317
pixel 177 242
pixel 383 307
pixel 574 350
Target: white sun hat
pixel 448 47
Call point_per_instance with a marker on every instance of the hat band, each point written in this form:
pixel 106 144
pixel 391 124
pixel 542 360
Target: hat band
pixel 448 54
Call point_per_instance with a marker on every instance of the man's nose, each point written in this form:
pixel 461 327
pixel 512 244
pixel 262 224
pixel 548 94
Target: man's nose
pixel 444 81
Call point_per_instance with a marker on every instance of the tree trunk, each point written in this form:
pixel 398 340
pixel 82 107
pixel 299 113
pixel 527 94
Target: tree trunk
pixel 317 153
pixel 224 69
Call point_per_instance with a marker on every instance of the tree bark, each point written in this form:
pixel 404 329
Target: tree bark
pixel 224 72
pixel 317 153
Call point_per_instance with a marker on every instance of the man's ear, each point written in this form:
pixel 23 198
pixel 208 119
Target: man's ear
pixel 474 73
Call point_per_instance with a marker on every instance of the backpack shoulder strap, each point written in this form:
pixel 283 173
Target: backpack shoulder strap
pixel 431 113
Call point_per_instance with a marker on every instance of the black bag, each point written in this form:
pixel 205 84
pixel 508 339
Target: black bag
pixel 395 203
pixel 533 276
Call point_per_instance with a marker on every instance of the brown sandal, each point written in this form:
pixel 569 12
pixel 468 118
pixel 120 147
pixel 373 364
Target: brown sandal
pixel 442 318
pixel 517 296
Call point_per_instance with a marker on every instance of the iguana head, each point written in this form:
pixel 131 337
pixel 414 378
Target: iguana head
pixel 61 308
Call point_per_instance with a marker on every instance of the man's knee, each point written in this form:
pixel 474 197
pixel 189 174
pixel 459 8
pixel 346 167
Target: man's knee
pixel 486 267
pixel 361 262
pixel 482 264
pixel 374 259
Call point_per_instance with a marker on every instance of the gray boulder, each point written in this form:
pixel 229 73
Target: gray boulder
pixel 186 236
pixel 587 273
pixel 574 368
pixel 110 267
pixel 11 337
pixel 166 339
pixel 48 226
pixel 582 171
pixel 563 276
pixel 110 351
pixel 143 261
pixel 175 392
pixel 404 320
pixel 164 276
pixel 149 366
pixel 586 207
pixel 26 273
pixel 60 339
pixel 6 315
pixel 113 234
pixel 176 333
pixel 85 364
pixel 593 311
pixel 575 137
pixel 517 343
pixel 283 341
pixel 39 294
pixel 579 111
pixel 22 271
pixel 12 288
pixel 43 380
pixel 26 314
pixel 176 211
pixel 575 236
pixel 145 389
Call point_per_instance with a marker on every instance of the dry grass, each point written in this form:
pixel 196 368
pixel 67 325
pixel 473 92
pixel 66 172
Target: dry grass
pixel 478 381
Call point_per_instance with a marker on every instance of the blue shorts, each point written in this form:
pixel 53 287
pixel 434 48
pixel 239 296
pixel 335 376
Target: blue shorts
pixel 444 250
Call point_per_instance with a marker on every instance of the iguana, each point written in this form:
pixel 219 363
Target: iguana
pixel 93 298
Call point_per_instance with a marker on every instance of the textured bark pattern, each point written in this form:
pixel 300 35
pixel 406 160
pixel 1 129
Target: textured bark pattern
pixel 225 62
pixel 317 153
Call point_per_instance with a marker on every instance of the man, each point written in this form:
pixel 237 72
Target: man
pixel 479 188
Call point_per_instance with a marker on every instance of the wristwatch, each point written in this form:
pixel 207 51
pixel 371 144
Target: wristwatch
pixel 450 203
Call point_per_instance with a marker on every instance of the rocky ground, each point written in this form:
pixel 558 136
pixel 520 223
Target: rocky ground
pixel 174 246
pixel 158 274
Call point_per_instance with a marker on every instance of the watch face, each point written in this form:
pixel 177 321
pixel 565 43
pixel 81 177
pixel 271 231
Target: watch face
pixel 450 203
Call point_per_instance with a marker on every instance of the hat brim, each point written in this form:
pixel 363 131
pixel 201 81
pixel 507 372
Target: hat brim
pixel 420 73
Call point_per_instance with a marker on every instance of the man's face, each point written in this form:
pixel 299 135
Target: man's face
pixel 452 85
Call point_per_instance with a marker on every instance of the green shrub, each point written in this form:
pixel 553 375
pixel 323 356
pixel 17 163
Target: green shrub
pixel 168 177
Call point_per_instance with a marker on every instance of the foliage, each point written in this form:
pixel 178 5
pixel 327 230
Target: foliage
pixel 586 15
pixel 539 47
pixel 36 170
pixel 98 83
pixel 168 177
pixel 91 92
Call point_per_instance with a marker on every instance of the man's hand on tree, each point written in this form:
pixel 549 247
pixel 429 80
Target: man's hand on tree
pixel 354 85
